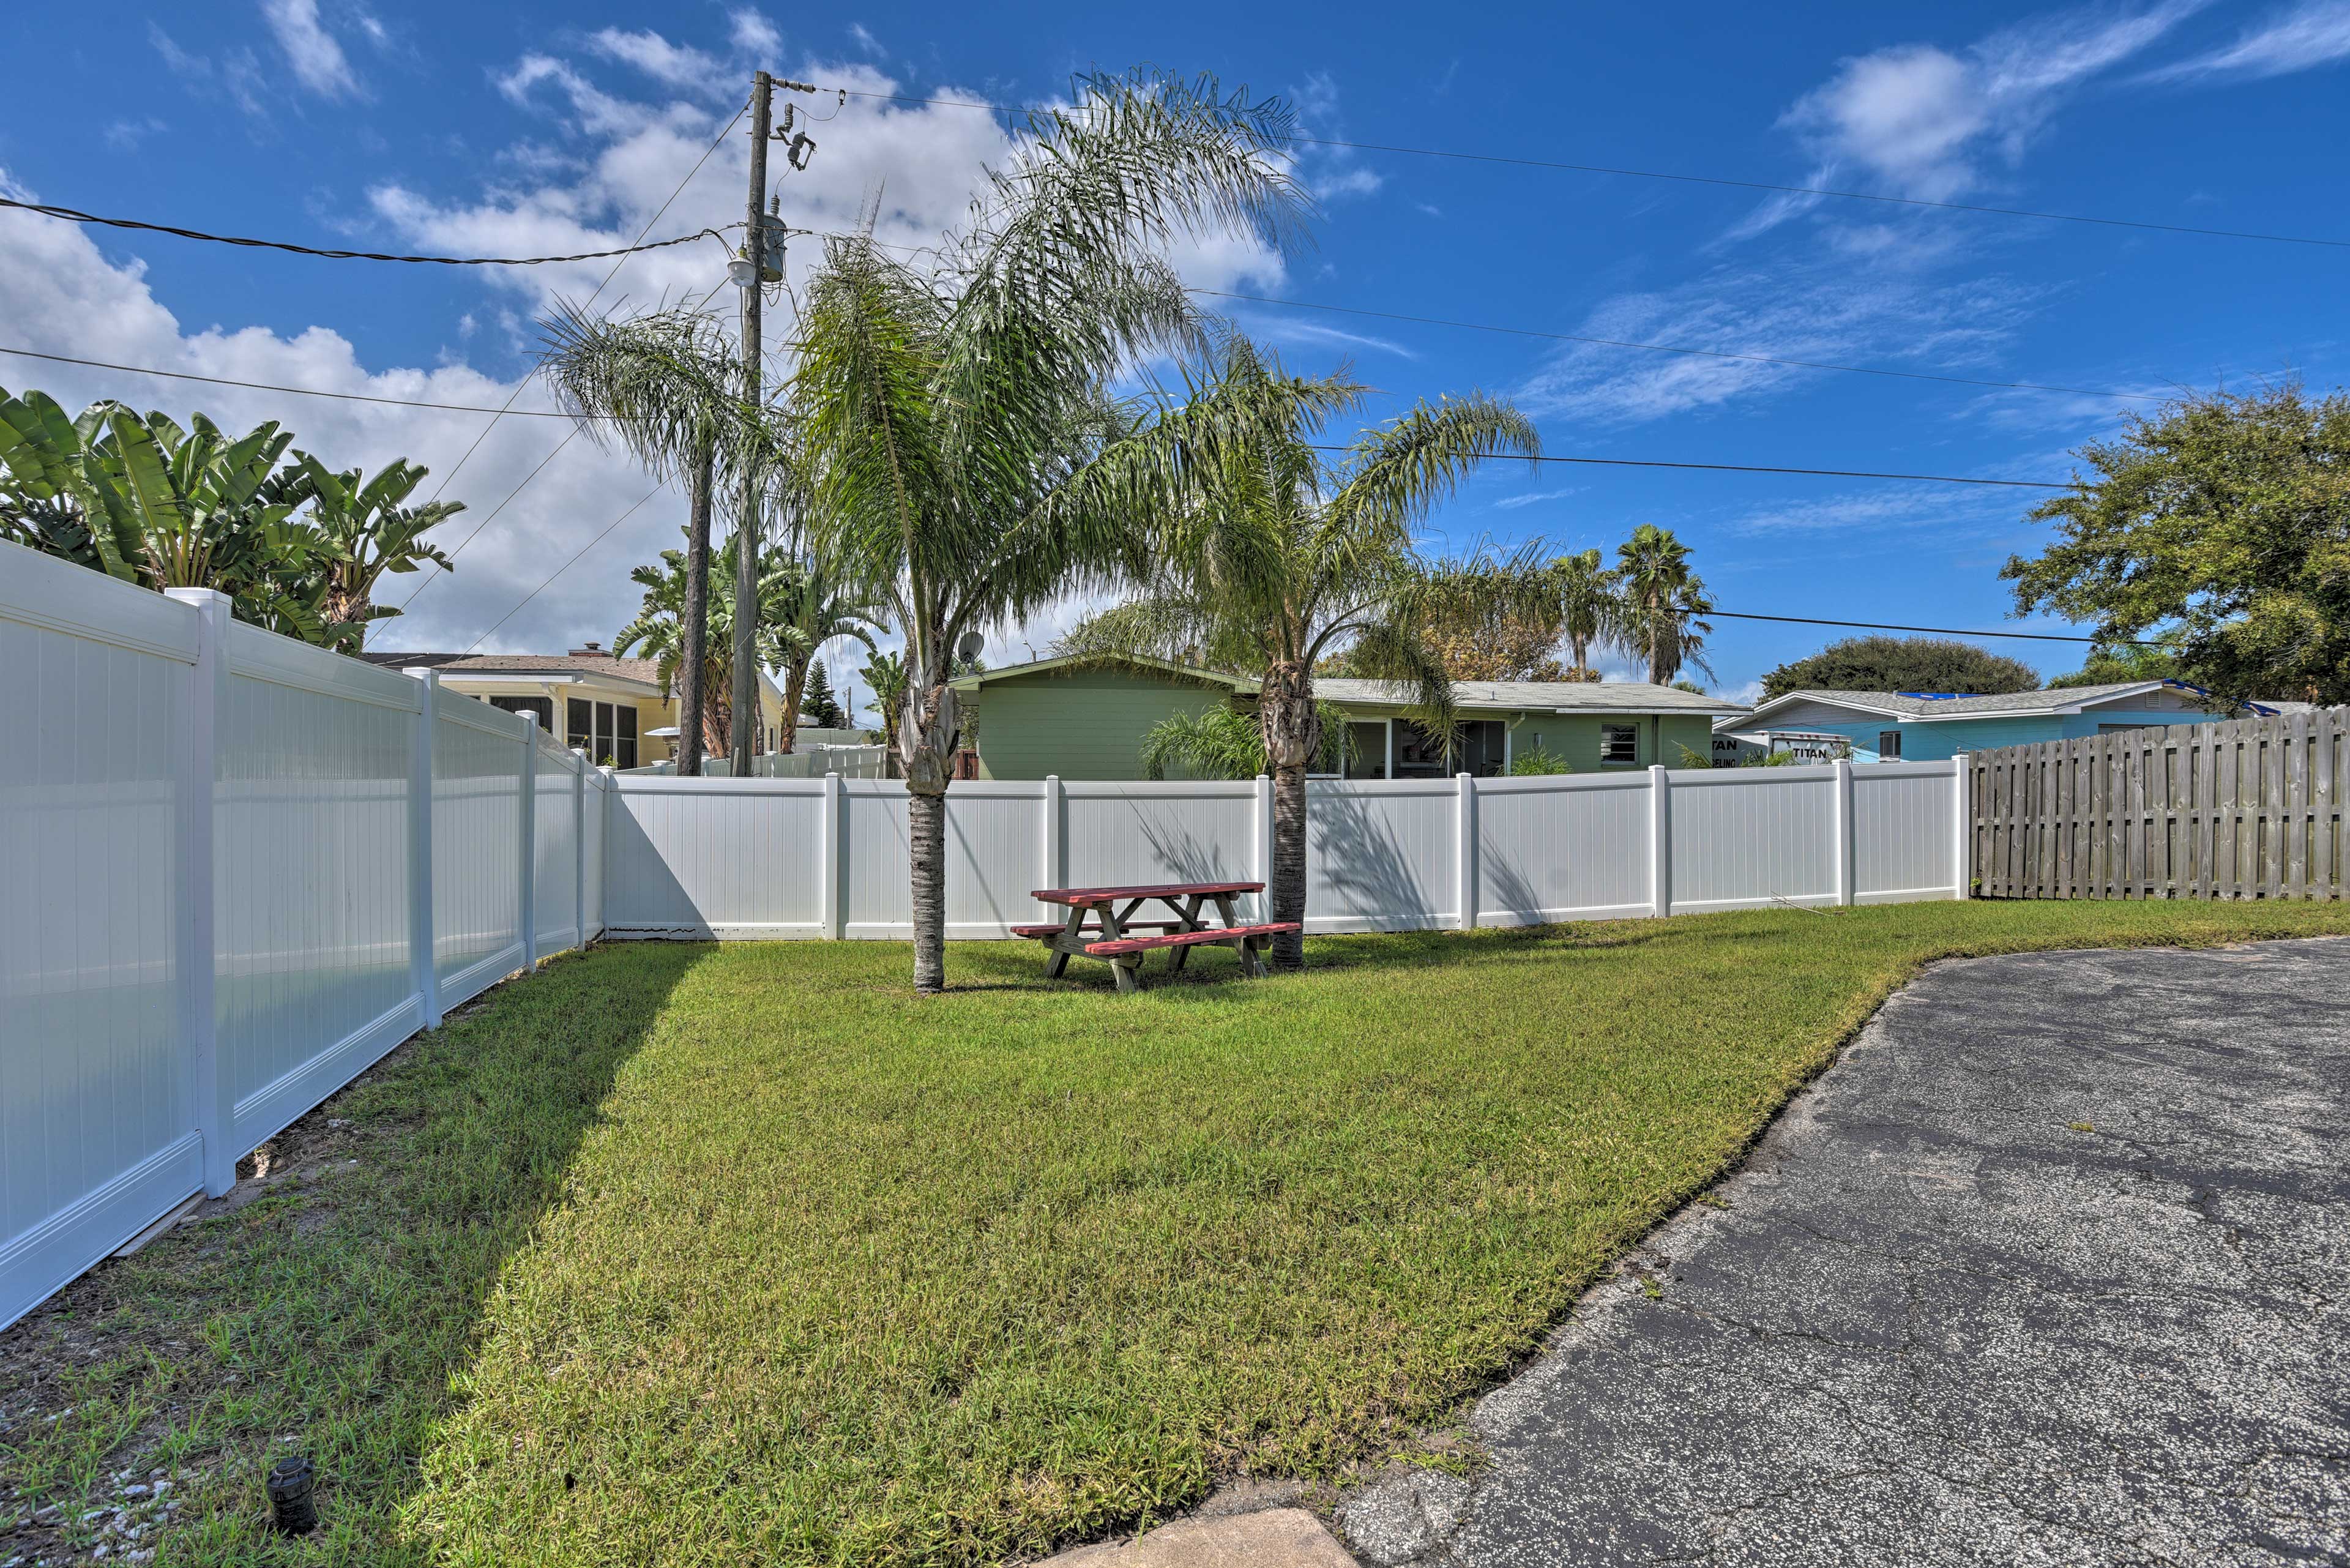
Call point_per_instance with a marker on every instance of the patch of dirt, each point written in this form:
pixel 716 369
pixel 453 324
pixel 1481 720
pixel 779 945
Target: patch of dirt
pixel 54 1362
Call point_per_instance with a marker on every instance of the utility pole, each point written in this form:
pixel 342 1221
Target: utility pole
pixel 746 533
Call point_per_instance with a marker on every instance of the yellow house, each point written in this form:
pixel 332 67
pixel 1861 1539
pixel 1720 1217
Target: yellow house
pixel 607 706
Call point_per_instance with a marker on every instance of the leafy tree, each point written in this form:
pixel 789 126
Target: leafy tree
pixel 1662 604
pixel 666 386
pixel 946 401
pixel 368 532
pixel 141 498
pixel 1902 664
pixel 1273 559
pixel 821 704
pixel 2220 524
pixel 1223 743
pixel 2123 665
pixel 659 631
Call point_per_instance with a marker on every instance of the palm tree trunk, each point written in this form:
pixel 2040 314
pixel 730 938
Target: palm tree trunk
pixel 794 687
pixel 1288 884
pixel 925 832
pixel 694 697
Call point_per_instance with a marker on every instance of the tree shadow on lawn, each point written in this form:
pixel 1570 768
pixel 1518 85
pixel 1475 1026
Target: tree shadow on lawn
pixel 330 1306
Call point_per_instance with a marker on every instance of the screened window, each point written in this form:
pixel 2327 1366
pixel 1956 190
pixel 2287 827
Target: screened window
pixel 579 726
pixel 542 706
pixel 1888 745
pixel 607 732
pixel 1369 757
pixel 1619 742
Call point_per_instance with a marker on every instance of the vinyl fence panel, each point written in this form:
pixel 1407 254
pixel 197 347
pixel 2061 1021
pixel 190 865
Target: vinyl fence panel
pixel 1380 857
pixel 311 871
pixel 476 866
pixel 554 824
pixel 712 857
pixel 97 1130
pixel 1746 838
pixel 1561 847
pixel 1902 843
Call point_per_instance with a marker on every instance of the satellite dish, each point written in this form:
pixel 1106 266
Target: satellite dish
pixel 970 646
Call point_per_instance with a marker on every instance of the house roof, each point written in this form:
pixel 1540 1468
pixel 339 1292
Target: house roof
pixel 1927 707
pixel 646 671
pixel 1483 696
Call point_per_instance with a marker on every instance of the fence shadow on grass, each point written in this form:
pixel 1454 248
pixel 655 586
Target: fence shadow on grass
pixel 342 1304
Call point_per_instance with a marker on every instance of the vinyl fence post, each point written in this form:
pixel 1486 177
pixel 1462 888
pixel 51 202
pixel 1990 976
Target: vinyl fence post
pixel 1050 862
pixel 1846 843
pixel 195 954
pixel 828 899
pixel 526 899
pixel 1465 847
pixel 1261 857
pixel 578 846
pixel 1660 842
pixel 1962 824
pixel 424 971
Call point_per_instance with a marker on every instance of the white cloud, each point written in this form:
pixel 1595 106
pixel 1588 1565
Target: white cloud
pixel 1820 310
pixel 318 59
pixel 752 33
pixel 237 71
pixel 865 38
pixel 2314 34
pixel 1512 503
pixel 1922 121
pixel 672 65
pixel 1331 174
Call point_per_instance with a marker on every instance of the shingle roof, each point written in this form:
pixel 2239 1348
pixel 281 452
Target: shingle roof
pixel 647 670
pixel 1924 705
pixel 1541 696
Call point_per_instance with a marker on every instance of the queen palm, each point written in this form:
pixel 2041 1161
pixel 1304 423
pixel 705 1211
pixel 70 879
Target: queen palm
pixel 1663 604
pixel 946 401
pixel 1588 607
pixel 664 384
pixel 1273 558
pixel 813 605
pixel 658 632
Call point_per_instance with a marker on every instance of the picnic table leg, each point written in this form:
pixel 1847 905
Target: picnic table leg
pixel 1189 913
pixel 1251 964
pixel 1126 970
pixel 1069 929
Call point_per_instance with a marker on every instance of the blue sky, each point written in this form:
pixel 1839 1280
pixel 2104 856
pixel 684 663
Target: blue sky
pixel 537 129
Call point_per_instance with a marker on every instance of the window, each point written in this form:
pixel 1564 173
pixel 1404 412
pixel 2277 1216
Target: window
pixel 624 736
pixel 1369 759
pixel 542 706
pixel 579 726
pixel 607 732
pixel 1888 745
pixel 1619 742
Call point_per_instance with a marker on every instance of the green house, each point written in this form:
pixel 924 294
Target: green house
pixel 1085 718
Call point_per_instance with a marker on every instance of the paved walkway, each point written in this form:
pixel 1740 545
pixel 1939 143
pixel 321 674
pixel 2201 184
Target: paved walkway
pixel 2053 1268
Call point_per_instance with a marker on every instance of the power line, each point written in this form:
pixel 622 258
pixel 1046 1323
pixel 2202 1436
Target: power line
pixel 1940 630
pixel 1747 468
pixel 1496 456
pixel 1669 349
pixel 566 566
pixel 1682 179
pixel 300 391
pixel 720 141
pixel 73 216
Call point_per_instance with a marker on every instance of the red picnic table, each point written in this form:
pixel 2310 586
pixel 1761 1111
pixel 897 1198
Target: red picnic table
pixel 1108 937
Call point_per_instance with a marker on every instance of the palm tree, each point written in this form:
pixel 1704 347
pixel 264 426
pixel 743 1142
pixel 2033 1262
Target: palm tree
pixel 659 631
pixel 1223 743
pixel 886 673
pixel 1589 607
pixel 945 405
pixel 814 606
pixel 666 384
pixel 369 533
pixel 1273 558
pixel 1663 602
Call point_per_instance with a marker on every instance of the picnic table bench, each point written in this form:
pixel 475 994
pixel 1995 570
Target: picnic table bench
pixel 1108 937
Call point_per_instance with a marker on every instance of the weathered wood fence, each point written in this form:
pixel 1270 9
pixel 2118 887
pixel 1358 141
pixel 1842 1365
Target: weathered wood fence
pixel 2246 808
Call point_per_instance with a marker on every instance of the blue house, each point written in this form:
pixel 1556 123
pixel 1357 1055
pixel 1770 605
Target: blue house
pixel 1932 726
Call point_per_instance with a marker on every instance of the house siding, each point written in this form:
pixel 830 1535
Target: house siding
pixel 1575 737
pixel 1083 724
pixel 1940 741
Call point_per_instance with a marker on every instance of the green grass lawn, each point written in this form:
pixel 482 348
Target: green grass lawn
pixel 726 1255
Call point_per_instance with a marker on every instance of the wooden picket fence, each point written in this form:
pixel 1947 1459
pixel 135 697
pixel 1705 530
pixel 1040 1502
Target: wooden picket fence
pixel 2246 808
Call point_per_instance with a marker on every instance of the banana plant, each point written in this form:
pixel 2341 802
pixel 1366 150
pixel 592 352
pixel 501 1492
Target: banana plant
pixel 367 531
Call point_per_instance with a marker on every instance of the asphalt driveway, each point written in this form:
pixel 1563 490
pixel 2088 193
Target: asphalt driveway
pixel 2053 1267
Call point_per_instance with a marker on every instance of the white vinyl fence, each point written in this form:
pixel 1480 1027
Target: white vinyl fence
pixel 827 858
pixel 238 870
